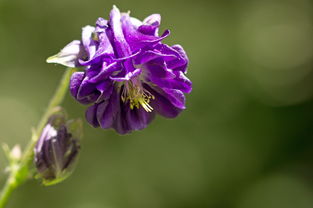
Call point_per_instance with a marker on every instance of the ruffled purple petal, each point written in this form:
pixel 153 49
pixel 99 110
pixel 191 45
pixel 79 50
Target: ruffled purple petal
pixel 105 72
pixel 158 69
pixel 151 25
pixel 135 38
pixel 151 55
pixel 91 115
pixel 104 48
pixel 162 104
pixel 117 36
pixel 75 82
pixel 101 25
pixel 107 111
pixel 138 119
pixel 128 76
pixel 179 82
pixel 103 114
pixel 180 62
pixel 88 42
pixel 85 89
pixel 82 90
pixel 176 97
pixel 105 88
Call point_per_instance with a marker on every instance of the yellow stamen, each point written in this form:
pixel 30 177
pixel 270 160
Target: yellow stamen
pixel 137 96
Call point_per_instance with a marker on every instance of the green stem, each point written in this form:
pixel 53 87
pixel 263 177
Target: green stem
pixel 20 172
pixel 7 190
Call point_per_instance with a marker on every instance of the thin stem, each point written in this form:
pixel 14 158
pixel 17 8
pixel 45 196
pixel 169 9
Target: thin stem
pixel 20 172
pixel 7 190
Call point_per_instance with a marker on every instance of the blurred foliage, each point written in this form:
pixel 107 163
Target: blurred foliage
pixel 245 140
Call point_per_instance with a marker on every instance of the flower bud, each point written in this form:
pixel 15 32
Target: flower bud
pixel 57 149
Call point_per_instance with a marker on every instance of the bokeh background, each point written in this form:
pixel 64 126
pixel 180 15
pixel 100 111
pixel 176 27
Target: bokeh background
pixel 245 140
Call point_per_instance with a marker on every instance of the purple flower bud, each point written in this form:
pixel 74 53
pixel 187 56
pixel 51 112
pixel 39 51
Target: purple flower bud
pixel 128 74
pixel 57 149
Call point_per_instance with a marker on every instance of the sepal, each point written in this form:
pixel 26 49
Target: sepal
pixel 69 55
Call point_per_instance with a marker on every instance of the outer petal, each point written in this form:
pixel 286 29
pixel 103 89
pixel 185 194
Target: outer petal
pixel 88 42
pixel 86 88
pixel 176 97
pixel 83 91
pixel 162 104
pixel 151 25
pixel 117 38
pixel 179 82
pixel 107 110
pixel 101 25
pixel 150 55
pixel 120 123
pixel 138 118
pixel 158 69
pixel 91 115
pixel 105 88
pixel 69 55
pixel 76 80
pixel 135 38
pixel 128 76
pixel 180 62
pixel 116 33
pixel 102 43
pixel 105 72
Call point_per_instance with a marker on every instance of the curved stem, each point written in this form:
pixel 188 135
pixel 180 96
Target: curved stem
pixel 20 172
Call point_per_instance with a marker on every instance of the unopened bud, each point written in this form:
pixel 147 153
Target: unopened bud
pixel 57 149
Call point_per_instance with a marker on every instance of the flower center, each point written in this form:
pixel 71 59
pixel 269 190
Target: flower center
pixel 136 95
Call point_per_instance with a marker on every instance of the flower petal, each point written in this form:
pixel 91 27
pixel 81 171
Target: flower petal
pixel 105 72
pixel 88 42
pixel 151 25
pixel 157 69
pixel 75 82
pixel 151 55
pixel 135 38
pixel 162 105
pixel 87 92
pixel 120 44
pixel 69 55
pixel 91 117
pixel 176 97
pixel 179 82
pixel 181 61
pixel 105 88
pixel 128 76
pixel 101 25
pixel 107 110
pixel 138 118
pixel 103 44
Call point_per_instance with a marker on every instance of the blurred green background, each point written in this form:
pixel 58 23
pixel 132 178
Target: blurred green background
pixel 245 140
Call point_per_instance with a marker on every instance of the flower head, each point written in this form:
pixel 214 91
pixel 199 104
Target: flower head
pixel 128 74
pixel 57 149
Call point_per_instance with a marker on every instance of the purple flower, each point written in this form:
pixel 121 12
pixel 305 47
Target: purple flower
pixel 129 74
pixel 57 149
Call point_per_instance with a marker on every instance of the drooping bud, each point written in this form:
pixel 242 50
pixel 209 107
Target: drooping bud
pixel 57 149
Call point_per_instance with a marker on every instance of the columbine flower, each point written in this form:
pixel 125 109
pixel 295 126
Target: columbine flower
pixel 129 75
pixel 57 149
